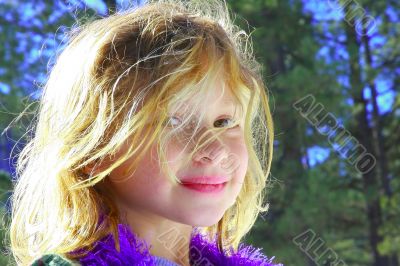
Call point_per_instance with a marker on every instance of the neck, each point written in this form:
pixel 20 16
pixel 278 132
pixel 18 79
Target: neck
pixel 166 238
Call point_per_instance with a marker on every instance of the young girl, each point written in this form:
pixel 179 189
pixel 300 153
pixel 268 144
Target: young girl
pixel 152 146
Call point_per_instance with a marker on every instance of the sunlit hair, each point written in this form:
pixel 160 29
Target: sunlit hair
pixel 115 82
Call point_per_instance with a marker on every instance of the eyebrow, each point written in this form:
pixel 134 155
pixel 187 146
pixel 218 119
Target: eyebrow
pixel 224 105
pixel 229 103
pixel 232 103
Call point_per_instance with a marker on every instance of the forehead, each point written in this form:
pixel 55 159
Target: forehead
pixel 211 90
pixel 215 98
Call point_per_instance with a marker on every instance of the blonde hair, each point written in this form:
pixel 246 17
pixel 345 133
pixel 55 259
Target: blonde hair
pixel 114 82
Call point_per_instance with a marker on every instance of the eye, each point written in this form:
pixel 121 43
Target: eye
pixel 174 121
pixel 229 123
pixel 226 122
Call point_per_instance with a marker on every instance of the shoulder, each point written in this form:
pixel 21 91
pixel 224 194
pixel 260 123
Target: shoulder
pixel 53 260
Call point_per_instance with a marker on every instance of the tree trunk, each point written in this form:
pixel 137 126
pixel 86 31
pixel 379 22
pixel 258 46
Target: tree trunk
pixel 377 136
pixel 364 133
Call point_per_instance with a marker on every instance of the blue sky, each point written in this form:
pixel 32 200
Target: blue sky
pixel 324 11
pixel 102 8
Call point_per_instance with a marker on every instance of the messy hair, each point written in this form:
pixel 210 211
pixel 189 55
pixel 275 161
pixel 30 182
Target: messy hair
pixel 115 82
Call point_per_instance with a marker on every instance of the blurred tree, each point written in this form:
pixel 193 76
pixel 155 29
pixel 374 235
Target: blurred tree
pixel 30 34
pixel 5 192
pixel 285 43
pixel 368 126
pixel 313 53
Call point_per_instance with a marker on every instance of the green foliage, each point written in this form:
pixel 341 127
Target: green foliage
pixel 328 198
pixel 5 186
pixel 5 192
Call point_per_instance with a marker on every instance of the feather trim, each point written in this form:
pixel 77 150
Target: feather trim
pixel 135 251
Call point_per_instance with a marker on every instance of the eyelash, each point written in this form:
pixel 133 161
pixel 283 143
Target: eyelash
pixel 233 121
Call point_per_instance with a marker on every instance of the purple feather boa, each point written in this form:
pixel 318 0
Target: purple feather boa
pixel 135 251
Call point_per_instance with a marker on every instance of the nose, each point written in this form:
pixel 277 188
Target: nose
pixel 212 153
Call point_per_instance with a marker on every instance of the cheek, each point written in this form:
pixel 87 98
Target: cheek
pixel 241 161
pixel 237 166
pixel 144 180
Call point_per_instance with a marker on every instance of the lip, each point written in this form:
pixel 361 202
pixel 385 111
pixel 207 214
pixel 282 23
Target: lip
pixel 205 188
pixel 203 180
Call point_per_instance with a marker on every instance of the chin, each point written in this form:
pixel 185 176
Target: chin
pixel 205 220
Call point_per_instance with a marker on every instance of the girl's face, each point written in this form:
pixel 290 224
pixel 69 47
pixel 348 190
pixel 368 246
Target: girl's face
pixel 149 191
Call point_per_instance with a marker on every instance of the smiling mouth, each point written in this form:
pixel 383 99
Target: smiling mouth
pixel 204 179
pixel 205 188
